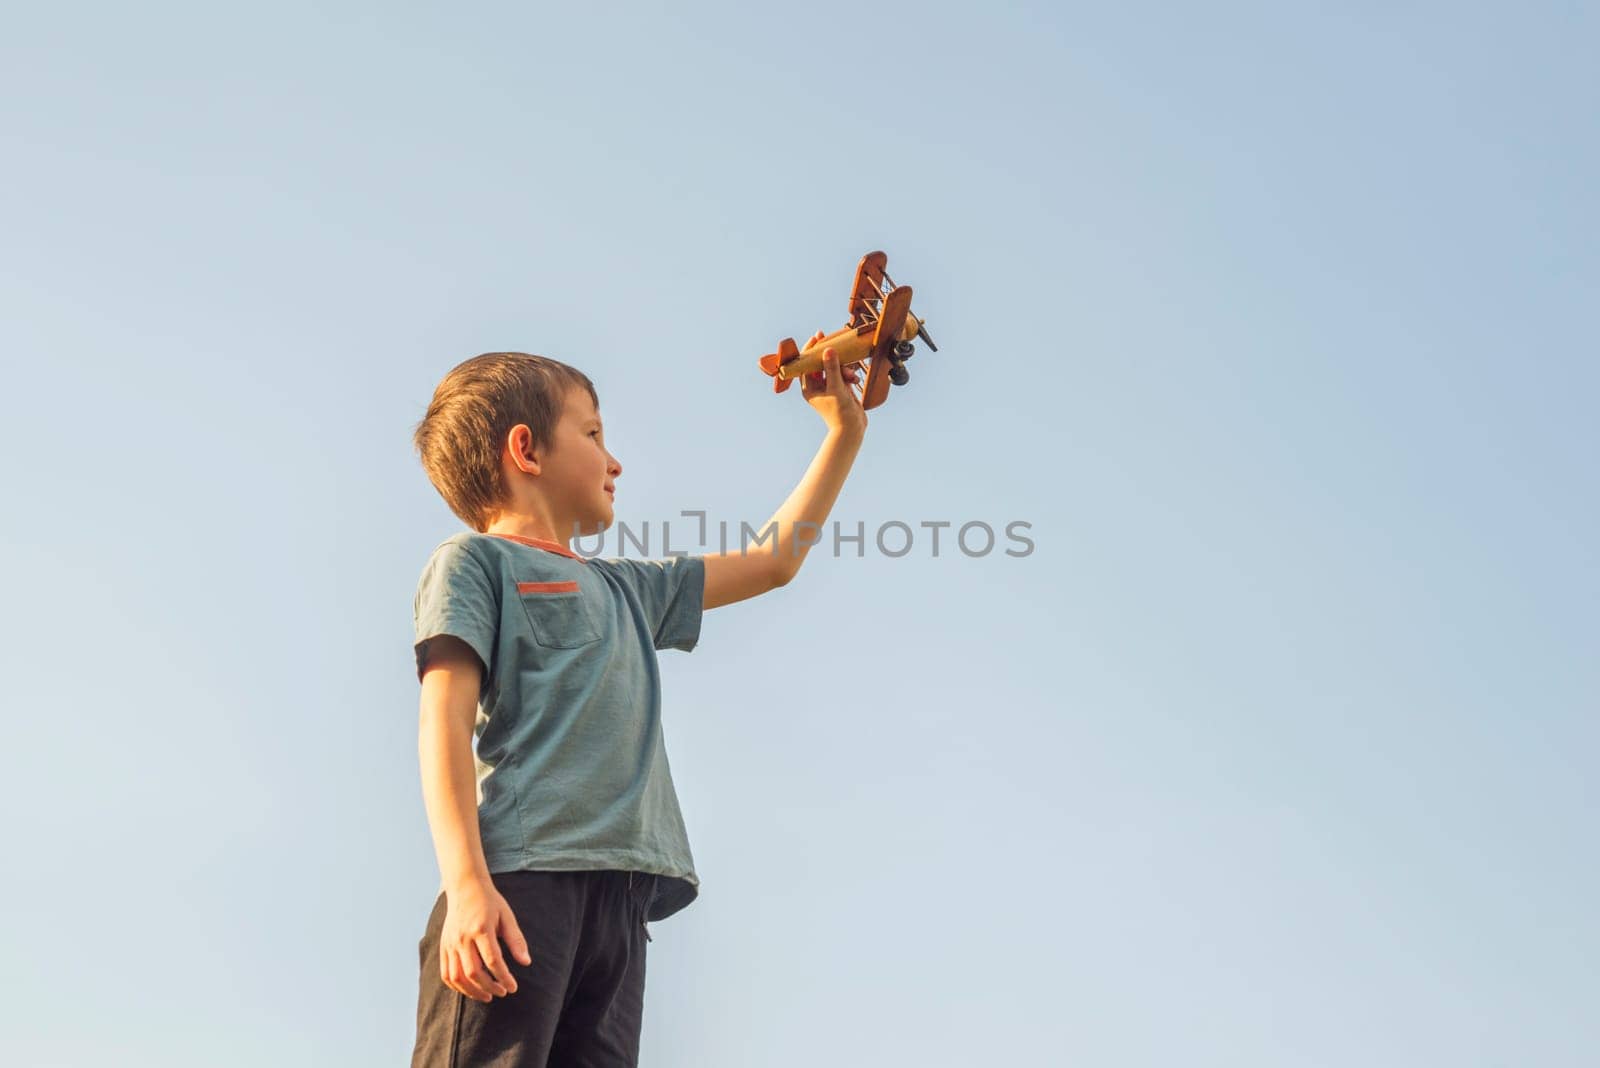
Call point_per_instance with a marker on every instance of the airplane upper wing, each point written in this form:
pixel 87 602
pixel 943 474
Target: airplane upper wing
pixel 866 293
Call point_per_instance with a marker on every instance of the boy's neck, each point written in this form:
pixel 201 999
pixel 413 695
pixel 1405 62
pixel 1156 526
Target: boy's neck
pixel 529 525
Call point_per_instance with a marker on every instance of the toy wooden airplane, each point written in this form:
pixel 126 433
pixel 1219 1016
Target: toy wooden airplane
pixel 879 334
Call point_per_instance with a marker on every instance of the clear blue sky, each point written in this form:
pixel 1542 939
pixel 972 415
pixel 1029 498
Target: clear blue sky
pixel 1275 322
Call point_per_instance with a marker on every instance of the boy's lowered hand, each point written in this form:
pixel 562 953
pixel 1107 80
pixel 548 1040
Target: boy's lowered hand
pixel 831 392
pixel 476 918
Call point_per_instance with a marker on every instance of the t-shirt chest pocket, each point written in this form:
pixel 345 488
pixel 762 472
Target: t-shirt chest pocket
pixel 559 614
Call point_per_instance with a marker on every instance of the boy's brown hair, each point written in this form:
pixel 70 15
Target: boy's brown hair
pixel 474 409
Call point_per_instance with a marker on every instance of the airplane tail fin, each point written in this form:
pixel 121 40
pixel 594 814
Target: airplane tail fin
pixel 787 351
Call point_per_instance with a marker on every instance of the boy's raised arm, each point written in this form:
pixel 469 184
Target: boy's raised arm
pixel 798 521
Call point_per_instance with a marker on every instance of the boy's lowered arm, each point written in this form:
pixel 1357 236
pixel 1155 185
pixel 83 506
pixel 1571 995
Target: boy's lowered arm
pixel 477 916
pixel 798 521
pixel 449 775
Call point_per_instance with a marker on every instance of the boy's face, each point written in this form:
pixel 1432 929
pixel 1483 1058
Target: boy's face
pixel 579 475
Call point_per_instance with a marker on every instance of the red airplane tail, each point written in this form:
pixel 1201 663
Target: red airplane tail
pixel 787 352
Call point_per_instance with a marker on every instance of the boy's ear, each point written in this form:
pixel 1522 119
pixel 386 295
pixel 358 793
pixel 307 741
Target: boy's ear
pixel 519 447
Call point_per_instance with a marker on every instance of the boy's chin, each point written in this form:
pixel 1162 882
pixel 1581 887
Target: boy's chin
pixel 592 527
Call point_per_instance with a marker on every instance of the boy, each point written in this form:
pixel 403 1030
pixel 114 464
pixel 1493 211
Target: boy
pixel 561 835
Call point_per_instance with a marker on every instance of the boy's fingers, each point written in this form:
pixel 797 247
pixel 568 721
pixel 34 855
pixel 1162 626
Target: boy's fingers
pixel 838 377
pixel 444 969
pixel 473 976
pixel 815 382
pixel 455 978
pixel 494 974
pixel 516 943
pixel 499 969
pixel 459 980
pixel 814 379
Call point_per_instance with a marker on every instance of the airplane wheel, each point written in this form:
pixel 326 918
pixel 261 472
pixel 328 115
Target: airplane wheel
pixel 905 350
pixel 899 375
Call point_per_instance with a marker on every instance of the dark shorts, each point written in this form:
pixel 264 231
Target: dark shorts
pixel 581 1001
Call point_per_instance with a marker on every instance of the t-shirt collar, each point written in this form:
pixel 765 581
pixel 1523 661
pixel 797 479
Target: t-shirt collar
pixel 540 543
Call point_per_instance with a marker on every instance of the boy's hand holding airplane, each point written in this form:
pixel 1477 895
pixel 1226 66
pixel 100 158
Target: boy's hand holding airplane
pixel 831 392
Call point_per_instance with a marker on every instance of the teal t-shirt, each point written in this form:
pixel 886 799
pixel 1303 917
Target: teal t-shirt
pixel 571 762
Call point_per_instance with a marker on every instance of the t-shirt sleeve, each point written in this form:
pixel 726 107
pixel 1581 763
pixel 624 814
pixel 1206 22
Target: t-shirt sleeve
pixel 672 591
pixel 456 596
